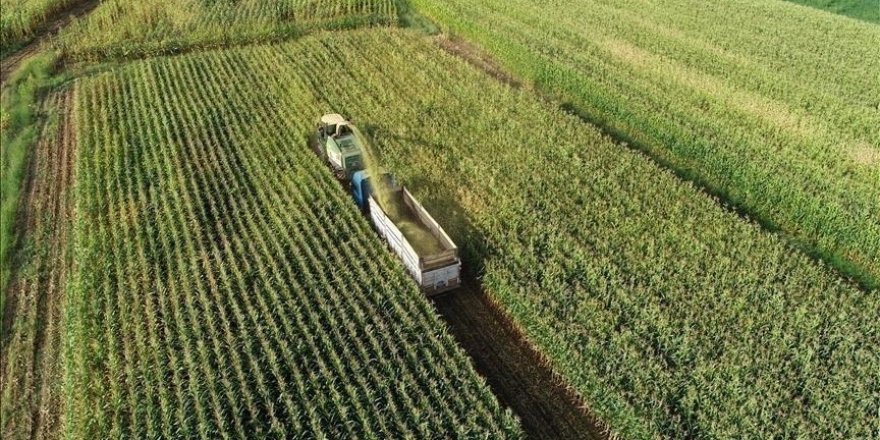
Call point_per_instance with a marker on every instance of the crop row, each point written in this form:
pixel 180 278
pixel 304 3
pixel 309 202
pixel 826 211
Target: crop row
pixel 770 105
pixel 669 314
pixel 226 286
pixel 20 18
pixel 124 29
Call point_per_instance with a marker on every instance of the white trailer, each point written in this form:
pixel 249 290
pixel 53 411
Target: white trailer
pixel 436 273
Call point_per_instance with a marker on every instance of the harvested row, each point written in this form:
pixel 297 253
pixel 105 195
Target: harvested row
pixel 124 29
pixel 30 364
pixel 668 314
pixel 736 96
pixel 227 287
pixel 867 10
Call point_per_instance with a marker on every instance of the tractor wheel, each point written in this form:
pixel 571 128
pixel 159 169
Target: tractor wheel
pixel 315 141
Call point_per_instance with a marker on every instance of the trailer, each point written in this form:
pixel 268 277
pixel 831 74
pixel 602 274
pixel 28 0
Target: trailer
pixel 427 252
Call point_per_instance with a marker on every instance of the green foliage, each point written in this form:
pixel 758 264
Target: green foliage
pixel 406 17
pixel 669 315
pixel 868 10
pixel 771 106
pixel 226 285
pixel 18 133
pixel 32 320
pixel 672 317
pixel 20 18
pixel 124 29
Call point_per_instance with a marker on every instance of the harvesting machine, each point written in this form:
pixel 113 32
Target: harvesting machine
pixel 430 256
pixel 338 144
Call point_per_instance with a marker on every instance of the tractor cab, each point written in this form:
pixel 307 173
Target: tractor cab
pixel 338 142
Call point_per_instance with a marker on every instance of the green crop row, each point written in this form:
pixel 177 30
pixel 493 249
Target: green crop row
pixel 226 286
pixel 671 316
pixel 771 106
pixel 125 29
pixel 20 18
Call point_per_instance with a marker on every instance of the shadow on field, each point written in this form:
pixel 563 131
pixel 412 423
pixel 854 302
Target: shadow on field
pixel 515 371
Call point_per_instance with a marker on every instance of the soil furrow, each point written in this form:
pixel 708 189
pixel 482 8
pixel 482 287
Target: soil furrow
pixel 517 373
pixel 33 381
pixel 53 25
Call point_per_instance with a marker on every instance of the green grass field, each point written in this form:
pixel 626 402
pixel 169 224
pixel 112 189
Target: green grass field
pixel 738 96
pixel 867 10
pixel 19 126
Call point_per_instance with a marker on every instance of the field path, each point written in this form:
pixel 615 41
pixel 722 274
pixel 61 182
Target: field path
pixel 53 25
pixel 516 373
pixel 30 370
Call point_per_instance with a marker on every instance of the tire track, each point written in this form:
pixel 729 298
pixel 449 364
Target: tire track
pixel 517 374
pixel 30 381
pixel 52 26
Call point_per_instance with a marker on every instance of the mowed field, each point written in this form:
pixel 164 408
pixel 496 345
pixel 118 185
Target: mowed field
pixel 770 105
pixel 188 268
pixel 124 29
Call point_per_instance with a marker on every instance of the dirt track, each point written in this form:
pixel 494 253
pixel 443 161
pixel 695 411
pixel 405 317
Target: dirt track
pixel 476 58
pixel 52 26
pixel 30 374
pixel 514 370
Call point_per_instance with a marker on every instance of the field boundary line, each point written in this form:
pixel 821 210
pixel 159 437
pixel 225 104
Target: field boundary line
pixel 30 371
pixel 338 25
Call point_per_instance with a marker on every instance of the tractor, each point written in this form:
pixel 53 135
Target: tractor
pixel 337 143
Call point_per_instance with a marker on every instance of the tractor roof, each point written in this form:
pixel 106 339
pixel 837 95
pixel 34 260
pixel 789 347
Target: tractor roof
pixel 333 119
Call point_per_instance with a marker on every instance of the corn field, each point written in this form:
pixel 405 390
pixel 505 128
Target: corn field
pixel 125 29
pixel 235 257
pixel 226 286
pixel 20 18
pixel 772 106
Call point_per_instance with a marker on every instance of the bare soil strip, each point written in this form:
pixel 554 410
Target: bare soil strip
pixel 30 377
pixel 517 374
pixel 51 28
pixel 476 58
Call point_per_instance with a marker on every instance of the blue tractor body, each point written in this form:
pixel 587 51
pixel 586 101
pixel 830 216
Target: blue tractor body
pixel 362 188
